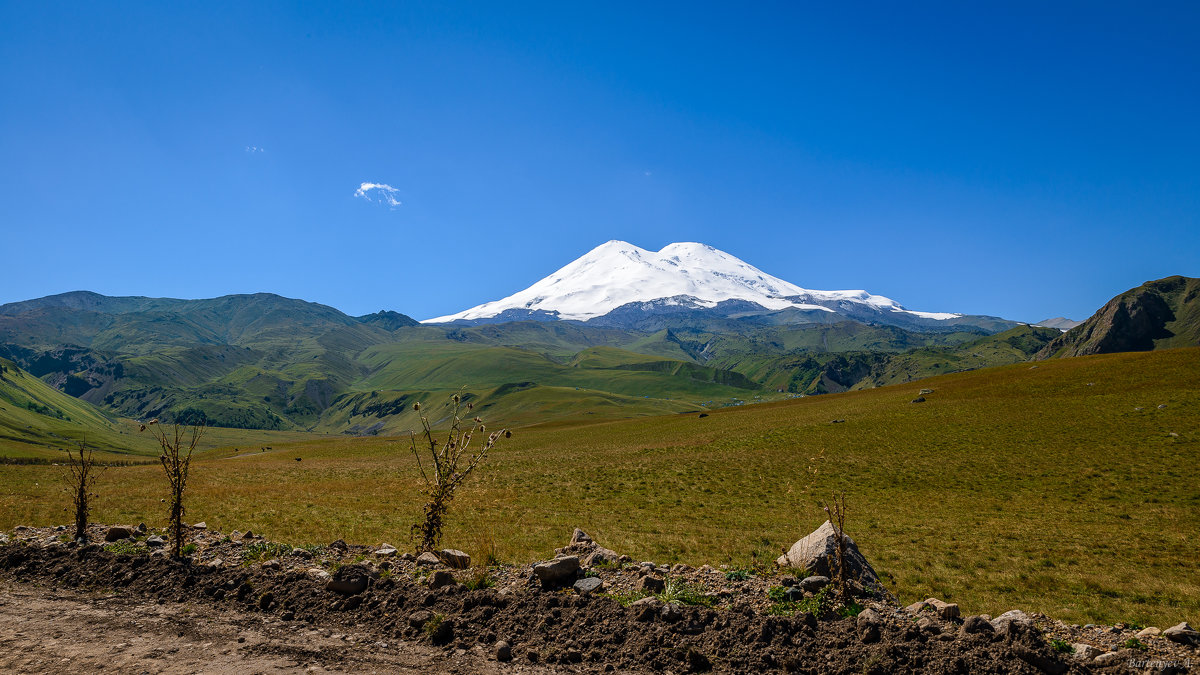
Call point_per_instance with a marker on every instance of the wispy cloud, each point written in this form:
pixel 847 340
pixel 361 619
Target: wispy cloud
pixel 380 193
pixel 252 149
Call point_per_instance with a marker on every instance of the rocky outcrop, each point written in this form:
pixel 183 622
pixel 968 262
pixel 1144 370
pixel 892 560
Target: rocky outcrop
pixel 1155 315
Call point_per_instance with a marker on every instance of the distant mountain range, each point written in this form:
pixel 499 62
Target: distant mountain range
pixel 690 284
pixel 267 362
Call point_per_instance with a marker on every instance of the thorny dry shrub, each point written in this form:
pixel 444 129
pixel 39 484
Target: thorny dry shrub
pixel 83 472
pixel 449 462
pixel 176 458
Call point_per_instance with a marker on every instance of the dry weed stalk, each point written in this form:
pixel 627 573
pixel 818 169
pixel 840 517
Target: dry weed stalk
pixel 82 478
pixel 836 511
pixel 176 458
pixel 449 463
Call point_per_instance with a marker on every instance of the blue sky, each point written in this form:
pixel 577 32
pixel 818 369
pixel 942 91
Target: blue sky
pixel 1025 160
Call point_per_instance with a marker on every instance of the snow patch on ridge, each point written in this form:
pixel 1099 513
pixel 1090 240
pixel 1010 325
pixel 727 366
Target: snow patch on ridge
pixel 617 273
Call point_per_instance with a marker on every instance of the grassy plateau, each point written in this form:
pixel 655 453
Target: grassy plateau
pixel 1070 487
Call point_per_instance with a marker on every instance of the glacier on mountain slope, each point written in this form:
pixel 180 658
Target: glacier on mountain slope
pixel 617 273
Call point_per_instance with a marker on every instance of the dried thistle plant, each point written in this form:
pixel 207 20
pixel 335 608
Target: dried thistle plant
pixel 81 479
pixel 176 458
pixel 446 465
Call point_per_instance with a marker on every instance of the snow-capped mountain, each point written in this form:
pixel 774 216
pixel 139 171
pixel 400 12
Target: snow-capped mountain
pixel 618 278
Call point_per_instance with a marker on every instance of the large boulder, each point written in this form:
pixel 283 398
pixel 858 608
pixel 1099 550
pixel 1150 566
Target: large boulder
pixel 557 572
pixel 1182 634
pixel 817 553
pixel 588 551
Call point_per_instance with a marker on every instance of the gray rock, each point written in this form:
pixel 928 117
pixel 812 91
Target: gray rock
pixel 793 594
pixel 1106 658
pixel 428 559
pixel 975 624
pixel 200 526
pixel 917 607
pixel 580 537
pixel 454 558
pixel 946 610
pixel 1149 631
pixel 302 553
pixel 141 528
pixel 1086 652
pixel 1005 621
pixel 440 578
pixel 419 618
pixel 117 533
pixel 813 584
pixel 272 565
pixel 817 553
pixel 386 552
pixel 155 541
pixel 503 651
pixel 788 581
pixel 670 613
pixel 925 391
pixel 647 602
pixel 651 584
pixel 407 557
pixel 919 399
pixel 601 556
pixel 868 616
pixel 349 580
pixel 588 585
pixel 926 623
pixel 557 572
pixel 1182 634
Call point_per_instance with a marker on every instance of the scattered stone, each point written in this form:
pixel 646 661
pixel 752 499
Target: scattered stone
pixel 117 533
pixel 916 607
pixel 814 583
pixel 1006 620
pixel 1162 406
pixel 302 553
pixel 601 556
pixel 272 564
pixel 349 580
pixel 428 559
pixel 338 545
pixel 793 594
pixel 248 536
pixel 154 541
pixel 588 585
pixel 919 399
pixel 454 558
pixel 503 651
pixel 557 572
pixel 419 618
pixel 946 610
pixel 788 581
pixel 670 613
pixel 817 553
pixel 651 584
pixel 440 578
pixel 215 563
pixel 1182 634
pixel 386 551
pixel 319 573
pixel 407 557
pixel 1105 659
pixel 868 616
pixel 1086 652
pixel 580 537
pixel 141 528
pixel 975 624
pixel 1150 631
pixel 838 421
pixel 200 526
pixel 929 624
pixel 925 391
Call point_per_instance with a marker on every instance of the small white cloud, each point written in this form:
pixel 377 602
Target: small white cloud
pixel 380 193
pixel 252 149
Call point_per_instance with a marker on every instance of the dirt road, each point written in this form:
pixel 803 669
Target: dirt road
pixel 52 630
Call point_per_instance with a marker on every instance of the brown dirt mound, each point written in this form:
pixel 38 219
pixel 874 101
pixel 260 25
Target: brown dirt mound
pixel 584 633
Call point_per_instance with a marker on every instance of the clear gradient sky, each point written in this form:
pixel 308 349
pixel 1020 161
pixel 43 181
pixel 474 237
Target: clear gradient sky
pixel 1025 160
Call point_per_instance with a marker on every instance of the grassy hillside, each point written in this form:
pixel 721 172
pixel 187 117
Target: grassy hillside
pixel 1059 487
